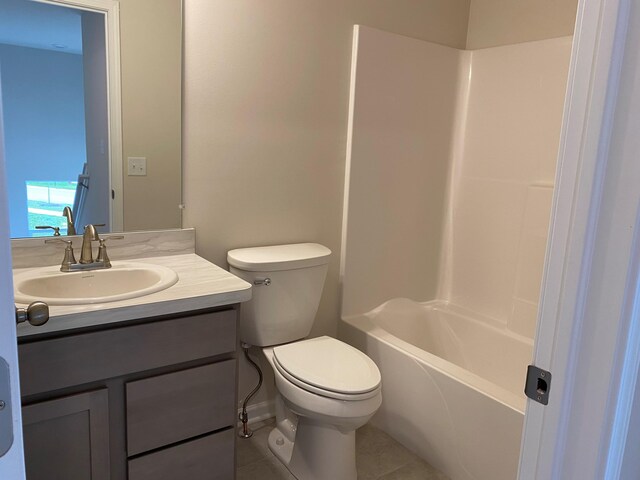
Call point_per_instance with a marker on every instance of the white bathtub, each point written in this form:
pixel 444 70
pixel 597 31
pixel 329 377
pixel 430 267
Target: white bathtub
pixel 452 385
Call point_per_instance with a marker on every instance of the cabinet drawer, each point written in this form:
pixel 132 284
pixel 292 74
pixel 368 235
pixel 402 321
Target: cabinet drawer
pixel 170 408
pixel 207 458
pixel 77 359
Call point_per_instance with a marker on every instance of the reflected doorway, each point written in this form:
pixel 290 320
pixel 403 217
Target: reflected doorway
pixel 53 73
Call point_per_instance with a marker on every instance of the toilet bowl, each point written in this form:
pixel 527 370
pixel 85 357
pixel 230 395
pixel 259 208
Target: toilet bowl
pixel 326 389
pixel 329 400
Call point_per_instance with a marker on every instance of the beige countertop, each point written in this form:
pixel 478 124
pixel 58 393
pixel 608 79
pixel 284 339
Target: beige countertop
pixel 200 285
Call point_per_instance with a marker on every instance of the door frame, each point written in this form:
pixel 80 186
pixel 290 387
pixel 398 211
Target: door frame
pixel 586 335
pixel 12 463
pixel 111 10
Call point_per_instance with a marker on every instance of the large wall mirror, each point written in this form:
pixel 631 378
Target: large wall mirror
pixel 91 110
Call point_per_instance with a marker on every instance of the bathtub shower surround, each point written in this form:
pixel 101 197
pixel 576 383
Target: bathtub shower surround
pixel 402 114
pixel 457 403
pixel 501 195
pixel 450 171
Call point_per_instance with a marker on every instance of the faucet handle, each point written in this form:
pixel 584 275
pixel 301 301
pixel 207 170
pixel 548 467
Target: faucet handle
pixel 56 230
pixel 59 240
pixel 111 237
pixel 102 249
pixel 69 258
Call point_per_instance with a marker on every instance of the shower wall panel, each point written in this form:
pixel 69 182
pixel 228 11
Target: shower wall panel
pixel 503 185
pixel 450 172
pixel 402 112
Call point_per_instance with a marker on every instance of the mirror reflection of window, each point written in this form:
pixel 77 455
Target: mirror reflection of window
pixel 54 99
pixel 45 201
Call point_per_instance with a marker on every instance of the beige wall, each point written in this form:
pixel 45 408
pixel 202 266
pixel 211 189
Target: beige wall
pixel 265 118
pixel 151 58
pixel 152 62
pixel 265 121
pixel 503 22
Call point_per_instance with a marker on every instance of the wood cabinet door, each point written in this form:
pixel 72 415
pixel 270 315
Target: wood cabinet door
pixel 68 438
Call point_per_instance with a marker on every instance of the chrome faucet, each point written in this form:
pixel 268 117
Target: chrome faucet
pixel 71 229
pixel 89 235
pixel 86 262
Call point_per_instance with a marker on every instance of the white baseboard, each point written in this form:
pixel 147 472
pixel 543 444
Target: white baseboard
pixel 259 412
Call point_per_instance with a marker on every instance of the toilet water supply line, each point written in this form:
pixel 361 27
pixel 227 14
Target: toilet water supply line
pixel 243 416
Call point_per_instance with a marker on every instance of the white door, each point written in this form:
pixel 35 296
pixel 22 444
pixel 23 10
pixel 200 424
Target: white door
pixel 12 462
pixel 589 331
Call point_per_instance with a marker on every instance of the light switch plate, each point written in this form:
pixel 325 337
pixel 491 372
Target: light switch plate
pixel 137 166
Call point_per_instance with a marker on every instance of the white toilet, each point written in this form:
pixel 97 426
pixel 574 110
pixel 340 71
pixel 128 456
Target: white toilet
pixel 326 388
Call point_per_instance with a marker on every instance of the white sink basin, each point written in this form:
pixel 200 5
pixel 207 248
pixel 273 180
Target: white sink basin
pixel 122 281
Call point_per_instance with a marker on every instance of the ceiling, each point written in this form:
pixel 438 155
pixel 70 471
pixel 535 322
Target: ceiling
pixel 33 24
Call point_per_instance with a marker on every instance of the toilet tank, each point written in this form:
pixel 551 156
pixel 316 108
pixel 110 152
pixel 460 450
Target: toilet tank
pixel 284 310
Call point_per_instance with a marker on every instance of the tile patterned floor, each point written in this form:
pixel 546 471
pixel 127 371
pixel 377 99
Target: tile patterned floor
pixel 379 457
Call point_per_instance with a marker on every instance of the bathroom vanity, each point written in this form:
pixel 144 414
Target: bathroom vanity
pixel 154 398
pixel 137 389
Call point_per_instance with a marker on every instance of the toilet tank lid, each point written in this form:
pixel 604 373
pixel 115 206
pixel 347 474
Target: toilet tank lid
pixel 279 257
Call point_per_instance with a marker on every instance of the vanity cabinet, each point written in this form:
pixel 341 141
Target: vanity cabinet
pixel 150 399
pixel 68 437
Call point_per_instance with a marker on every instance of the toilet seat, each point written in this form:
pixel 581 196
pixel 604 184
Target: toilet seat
pixel 328 367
